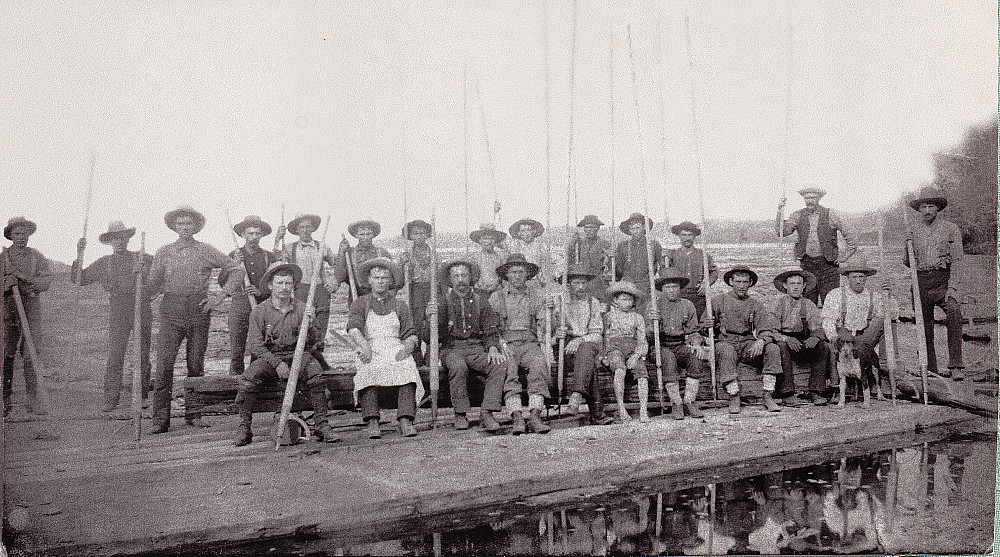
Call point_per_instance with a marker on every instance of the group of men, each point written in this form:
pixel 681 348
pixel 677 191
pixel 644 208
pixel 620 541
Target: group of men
pixel 501 311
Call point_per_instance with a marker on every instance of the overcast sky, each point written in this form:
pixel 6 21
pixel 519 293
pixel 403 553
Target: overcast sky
pixel 331 107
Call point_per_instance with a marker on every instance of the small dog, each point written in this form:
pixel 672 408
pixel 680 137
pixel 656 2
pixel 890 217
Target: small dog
pixel 848 366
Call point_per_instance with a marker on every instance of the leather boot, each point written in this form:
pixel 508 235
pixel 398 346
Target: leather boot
pixel 406 428
pixel 488 422
pixel 957 373
pixel 691 398
pixel 769 402
pixel 674 392
pixel 519 425
pixel 535 422
pixel 245 401
pixel 461 422
pixel 320 406
pixel 597 416
pixel 373 430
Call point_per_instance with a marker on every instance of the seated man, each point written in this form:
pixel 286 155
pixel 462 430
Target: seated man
pixel 583 334
pixel 274 330
pixel 680 344
pixel 522 313
pixel 800 335
pixel 746 331
pixel 470 343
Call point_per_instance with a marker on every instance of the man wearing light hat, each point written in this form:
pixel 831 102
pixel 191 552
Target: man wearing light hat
pixel 365 231
pixel 800 335
pixel 254 261
pixel 524 240
pixel 593 253
pixel 182 271
pixel 688 261
pixel 418 266
pixel 29 270
pixel 488 258
pixel 937 245
pixel 310 257
pixel 117 273
pixel 816 247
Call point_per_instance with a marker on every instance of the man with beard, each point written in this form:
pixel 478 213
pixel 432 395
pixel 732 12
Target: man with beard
pixel 631 263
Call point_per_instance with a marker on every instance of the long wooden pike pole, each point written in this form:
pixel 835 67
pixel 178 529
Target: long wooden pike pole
pixel 465 148
pixel 300 346
pixel 701 207
pixel 547 340
pixel 246 272
pixel 489 154
pixel 788 133
pixel 611 109
pixel 435 344
pixel 137 386
pixel 890 348
pixel 663 118
pixel 650 270
pixel 282 224
pixel 86 213
pixel 351 279
pixel 918 309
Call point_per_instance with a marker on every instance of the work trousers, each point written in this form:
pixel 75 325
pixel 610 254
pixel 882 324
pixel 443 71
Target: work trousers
pixel 677 357
pixel 465 357
pixel 584 366
pixel 528 356
pixel 406 401
pixel 121 319
pixel 321 301
pixel 420 296
pixel 261 373
pixel 730 352
pixel 180 320
pixel 239 327
pixel 817 358
pixel 827 277
pixel 934 292
pixel 14 341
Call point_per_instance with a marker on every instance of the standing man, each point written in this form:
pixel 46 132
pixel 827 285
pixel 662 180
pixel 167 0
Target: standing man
pixel 584 336
pixel 937 245
pixel 854 314
pixel 29 270
pixel 746 332
pixel 470 343
pixel 688 261
pixel 305 252
pixel 365 231
pixel 488 258
pixel 800 336
pixel 116 273
pixel 181 271
pixel 593 253
pixel 523 239
pixel 816 247
pixel 631 263
pixel 681 344
pixel 254 261
pixel 522 316
pixel 418 265
pixel 274 331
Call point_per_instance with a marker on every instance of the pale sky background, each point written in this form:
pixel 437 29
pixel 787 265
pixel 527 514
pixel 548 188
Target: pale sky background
pixel 333 106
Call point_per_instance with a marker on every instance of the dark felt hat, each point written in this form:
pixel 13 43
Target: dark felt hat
pixel 634 217
pixel 265 279
pixel 517 259
pixel 537 226
pixel 395 270
pixel 18 221
pixel 929 194
pixel 727 277
pixel 408 228
pixel 624 286
pixel 185 210
pixel 352 228
pixel 116 229
pixel 293 225
pixel 252 220
pixel 686 225
pixel 671 274
pixel 474 270
pixel 487 229
pixel 809 278
pixel 857 264
pixel 577 270
pixel 589 219
pixel 813 189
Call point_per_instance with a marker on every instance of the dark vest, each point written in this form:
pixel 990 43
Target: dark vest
pixel 827 235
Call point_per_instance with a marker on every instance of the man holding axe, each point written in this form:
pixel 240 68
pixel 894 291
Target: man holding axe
pixel 26 270
pixel 116 273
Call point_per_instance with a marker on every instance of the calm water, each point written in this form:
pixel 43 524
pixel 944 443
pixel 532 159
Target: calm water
pixel 933 497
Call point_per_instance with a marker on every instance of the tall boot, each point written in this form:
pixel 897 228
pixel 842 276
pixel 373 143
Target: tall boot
pixel 317 397
pixel 691 398
pixel 596 405
pixel 643 400
pixel 674 392
pixel 619 384
pixel 535 422
pixel 244 434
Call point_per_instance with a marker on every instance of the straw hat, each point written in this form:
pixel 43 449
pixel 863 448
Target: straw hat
pixel 624 286
pixel 293 225
pixel 19 221
pixel 115 230
pixel 514 260
pixel 474 270
pixel 352 228
pixel 857 264
pixel 265 279
pixel 739 269
pixel 537 226
pixel 252 220
pixel 809 278
pixel 812 189
pixel 185 210
pixel 395 270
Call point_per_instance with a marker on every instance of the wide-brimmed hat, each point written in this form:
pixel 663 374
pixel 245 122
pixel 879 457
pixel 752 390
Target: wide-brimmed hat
pixel 395 270
pixel 624 286
pixel 352 228
pixel 813 189
pixel 265 279
pixel 539 228
pixel 293 225
pixel 670 274
pixel 408 228
pixel 253 220
pixel 487 229
pixel 115 230
pixel 589 219
pixel 740 269
pixel 809 278
pixel 171 216
pixel 577 270
pixel 474 270
pixel 686 225
pixel 857 264
pixel 929 194
pixel 19 221
pixel 634 217
pixel 517 259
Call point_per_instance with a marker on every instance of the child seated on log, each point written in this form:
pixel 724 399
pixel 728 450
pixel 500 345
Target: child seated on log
pixel 625 346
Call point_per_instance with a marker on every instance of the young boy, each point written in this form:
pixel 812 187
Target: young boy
pixel 625 346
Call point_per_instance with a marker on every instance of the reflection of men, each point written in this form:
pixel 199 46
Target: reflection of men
pixel 816 247
pixel 305 252
pixel 689 262
pixel 116 273
pixel 800 335
pixel 28 269
pixel 254 262
pixel 488 258
pixel 937 245
pixel 593 253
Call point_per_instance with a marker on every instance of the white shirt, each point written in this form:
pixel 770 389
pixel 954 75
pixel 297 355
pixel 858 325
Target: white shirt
pixel 859 306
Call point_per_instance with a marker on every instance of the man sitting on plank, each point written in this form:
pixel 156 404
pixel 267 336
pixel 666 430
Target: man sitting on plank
pixel 584 336
pixel 800 336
